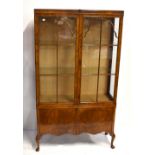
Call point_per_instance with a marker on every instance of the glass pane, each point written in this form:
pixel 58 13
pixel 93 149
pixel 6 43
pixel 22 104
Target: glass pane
pixel 57 36
pixel 88 88
pixel 111 86
pixel 90 59
pixel 66 59
pixel 47 59
pixel 90 54
pixel 115 30
pixel 66 89
pixel 48 46
pixel 47 89
pixel 105 85
pixel 108 59
pixel 110 31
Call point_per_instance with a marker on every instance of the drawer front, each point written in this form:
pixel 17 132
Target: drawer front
pixel 57 120
pixel 94 120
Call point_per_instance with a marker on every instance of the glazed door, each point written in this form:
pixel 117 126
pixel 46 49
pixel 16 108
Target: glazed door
pixel 99 53
pixel 57 48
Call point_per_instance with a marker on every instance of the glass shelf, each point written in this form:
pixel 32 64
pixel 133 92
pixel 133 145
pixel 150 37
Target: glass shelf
pixel 92 98
pixel 53 71
pixel 69 98
pixel 60 43
pixel 94 71
pixel 53 98
pixel 70 71
pixel 89 44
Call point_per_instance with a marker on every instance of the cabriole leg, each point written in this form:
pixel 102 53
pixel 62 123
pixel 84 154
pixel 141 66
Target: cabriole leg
pixel 112 141
pixel 37 142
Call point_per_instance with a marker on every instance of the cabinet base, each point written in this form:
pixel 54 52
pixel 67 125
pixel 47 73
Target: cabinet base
pixel 68 119
pixel 38 143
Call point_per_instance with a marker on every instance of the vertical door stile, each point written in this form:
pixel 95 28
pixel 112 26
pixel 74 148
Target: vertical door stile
pixel 57 49
pixel 76 62
pixel 98 74
pixel 110 54
pixel 77 71
pixel 36 39
pixel 78 57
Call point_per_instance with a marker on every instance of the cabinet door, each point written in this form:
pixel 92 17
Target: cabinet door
pixel 99 50
pixel 57 41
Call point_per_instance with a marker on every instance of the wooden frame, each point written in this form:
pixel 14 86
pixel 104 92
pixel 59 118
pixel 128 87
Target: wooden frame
pixel 53 118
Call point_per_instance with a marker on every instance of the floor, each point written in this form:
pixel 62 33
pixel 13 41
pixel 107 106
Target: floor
pixel 68 144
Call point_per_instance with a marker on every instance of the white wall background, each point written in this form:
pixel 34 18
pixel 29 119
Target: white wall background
pixel 135 109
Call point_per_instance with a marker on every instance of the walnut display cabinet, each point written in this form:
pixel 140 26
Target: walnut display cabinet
pixel 77 57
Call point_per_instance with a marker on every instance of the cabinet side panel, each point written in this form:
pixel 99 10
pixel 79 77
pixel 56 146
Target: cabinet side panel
pixel 36 40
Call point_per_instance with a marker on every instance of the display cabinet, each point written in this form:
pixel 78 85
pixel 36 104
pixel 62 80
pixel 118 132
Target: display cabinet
pixel 77 56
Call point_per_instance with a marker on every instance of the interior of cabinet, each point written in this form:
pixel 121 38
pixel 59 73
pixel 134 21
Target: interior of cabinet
pixel 57 46
pixel 98 52
pixel 57 58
